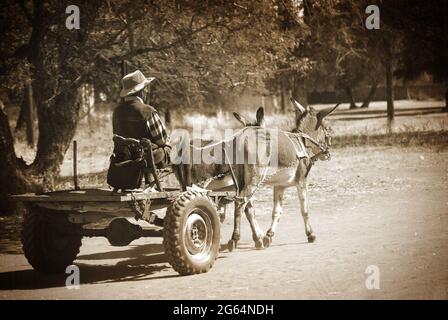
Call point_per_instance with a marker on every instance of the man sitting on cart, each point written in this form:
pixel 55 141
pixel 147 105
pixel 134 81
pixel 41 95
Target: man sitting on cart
pixel 133 118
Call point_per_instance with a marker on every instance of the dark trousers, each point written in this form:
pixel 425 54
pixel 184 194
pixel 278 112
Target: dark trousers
pixel 161 160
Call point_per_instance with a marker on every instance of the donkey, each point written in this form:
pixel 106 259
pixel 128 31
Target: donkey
pixel 214 176
pixel 292 164
pixel 259 119
pixel 297 151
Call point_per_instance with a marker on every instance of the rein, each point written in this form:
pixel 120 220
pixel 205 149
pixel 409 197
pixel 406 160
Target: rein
pixel 324 148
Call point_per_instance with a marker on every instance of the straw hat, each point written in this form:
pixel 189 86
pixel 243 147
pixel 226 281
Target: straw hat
pixel 134 82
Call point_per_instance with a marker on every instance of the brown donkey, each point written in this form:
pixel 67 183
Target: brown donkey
pixel 213 176
pixel 256 156
pixel 296 153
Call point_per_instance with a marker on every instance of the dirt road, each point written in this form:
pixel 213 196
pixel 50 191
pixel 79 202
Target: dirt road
pixel 385 206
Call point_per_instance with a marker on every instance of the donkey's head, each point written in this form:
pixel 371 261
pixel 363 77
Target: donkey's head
pixel 311 122
pixel 259 122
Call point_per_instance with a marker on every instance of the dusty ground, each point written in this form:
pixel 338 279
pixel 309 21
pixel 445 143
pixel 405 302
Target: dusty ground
pixel 383 206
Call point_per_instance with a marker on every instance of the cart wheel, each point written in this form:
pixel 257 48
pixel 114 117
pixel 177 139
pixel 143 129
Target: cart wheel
pixel 50 245
pixel 191 233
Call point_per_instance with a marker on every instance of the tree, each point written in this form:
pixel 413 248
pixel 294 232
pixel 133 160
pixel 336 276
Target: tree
pixel 344 52
pixel 424 28
pixel 289 76
pixel 195 49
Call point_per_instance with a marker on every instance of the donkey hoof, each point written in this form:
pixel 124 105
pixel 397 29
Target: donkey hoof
pixel 231 245
pixel 267 240
pixel 270 233
pixel 311 238
pixel 259 244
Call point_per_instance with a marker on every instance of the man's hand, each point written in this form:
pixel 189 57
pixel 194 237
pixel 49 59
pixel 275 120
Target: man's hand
pixel 146 143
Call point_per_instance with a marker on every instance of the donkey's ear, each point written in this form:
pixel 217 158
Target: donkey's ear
pixel 240 118
pixel 260 116
pixel 325 112
pixel 301 109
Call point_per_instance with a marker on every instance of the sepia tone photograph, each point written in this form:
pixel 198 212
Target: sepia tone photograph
pixel 224 150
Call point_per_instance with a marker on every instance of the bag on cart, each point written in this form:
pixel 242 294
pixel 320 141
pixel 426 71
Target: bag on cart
pixel 127 164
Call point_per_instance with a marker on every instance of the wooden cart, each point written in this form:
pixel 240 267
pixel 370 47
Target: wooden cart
pixel 56 222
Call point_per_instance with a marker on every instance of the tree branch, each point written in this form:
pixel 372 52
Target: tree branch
pixel 148 49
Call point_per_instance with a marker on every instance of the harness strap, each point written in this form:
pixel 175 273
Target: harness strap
pixel 314 158
pixel 240 201
pixel 294 146
pixel 237 188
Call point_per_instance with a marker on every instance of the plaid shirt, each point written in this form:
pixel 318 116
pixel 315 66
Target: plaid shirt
pixel 156 128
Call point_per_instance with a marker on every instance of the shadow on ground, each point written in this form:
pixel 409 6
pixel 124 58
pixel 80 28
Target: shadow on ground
pixel 143 262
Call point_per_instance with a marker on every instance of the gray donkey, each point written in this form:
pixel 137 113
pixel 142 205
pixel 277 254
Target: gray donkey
pixel 213 176
pixel 297 151
pixel 289 164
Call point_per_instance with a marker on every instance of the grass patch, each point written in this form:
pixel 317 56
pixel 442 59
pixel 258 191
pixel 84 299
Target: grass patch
pixel 403 139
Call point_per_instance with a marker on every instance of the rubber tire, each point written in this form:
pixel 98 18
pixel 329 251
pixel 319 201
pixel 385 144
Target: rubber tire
pixel 173 239
pixel 40 233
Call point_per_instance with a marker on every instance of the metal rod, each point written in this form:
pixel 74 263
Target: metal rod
pixel 87 232
pixel 75 164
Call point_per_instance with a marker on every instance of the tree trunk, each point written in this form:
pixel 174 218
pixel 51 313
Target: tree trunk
pixel 282 97
pixel 446 100
pixel 55 133
pixel 299 92
pixel 26 115
pixel 29 118
pixel 57 124
pixel 21 118
pixel 389 91
pixel 389 84
pixel 124 68
pixel 13 171
pixel 349 92
pixel 369 97
pixel 55 89
pixel 130 28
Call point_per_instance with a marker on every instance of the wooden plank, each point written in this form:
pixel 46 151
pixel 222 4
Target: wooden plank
pixel 113 208
pixel 92 195
pixel 221 193
pixel 103 195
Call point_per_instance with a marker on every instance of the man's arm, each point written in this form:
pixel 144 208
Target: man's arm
pixel 157 130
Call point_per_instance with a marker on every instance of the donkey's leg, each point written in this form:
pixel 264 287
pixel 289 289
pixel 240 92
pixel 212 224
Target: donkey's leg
pixel 303 198
pixel 239 208
pixel 257 233
pixel 277 210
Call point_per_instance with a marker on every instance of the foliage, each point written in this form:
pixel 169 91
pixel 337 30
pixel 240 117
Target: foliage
pixel 201 50
pixel 196 49
pixel 425 30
